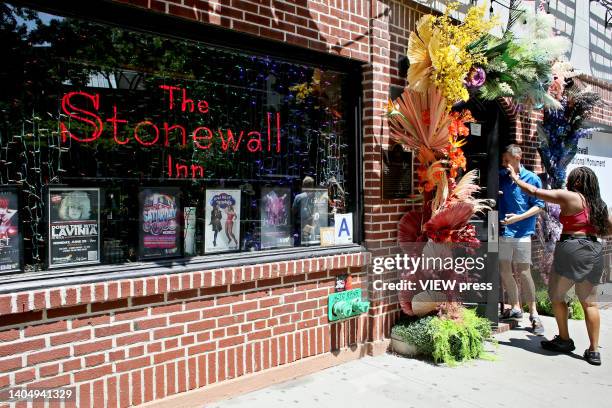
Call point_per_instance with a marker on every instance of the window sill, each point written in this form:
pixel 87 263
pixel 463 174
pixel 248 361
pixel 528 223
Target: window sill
pixel 102 273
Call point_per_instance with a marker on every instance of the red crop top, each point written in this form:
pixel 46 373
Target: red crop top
pixel 578 223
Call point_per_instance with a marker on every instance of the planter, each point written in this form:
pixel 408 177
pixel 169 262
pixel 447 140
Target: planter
pixel 402 347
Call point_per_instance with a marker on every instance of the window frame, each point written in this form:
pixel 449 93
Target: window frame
pixel 151 22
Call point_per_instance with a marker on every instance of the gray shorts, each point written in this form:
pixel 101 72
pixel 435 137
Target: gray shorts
pixel 579 259
pixel 516 250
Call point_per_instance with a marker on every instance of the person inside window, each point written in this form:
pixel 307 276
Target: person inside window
pixel 301 210
pixel 578 257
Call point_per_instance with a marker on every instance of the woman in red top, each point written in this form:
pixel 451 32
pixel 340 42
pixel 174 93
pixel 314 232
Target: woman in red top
pixel 578 258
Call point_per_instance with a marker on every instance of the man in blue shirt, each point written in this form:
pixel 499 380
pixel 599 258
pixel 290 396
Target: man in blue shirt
pixel 517 215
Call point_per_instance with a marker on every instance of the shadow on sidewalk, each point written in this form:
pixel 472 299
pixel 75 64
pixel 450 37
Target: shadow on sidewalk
pixel 532 344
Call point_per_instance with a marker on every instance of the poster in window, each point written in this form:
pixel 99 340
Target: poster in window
pixel 222 232
pixel 275 218
pixel 74 226
pixel 189 231
pixel 10 239
pixel 312 205
pixel 160 235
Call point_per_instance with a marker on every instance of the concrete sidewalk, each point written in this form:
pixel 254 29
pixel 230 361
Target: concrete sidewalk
pixel 522 376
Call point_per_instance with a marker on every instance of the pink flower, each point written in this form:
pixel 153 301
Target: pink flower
pixel 475 78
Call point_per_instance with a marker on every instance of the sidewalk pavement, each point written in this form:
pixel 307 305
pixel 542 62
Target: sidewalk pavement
pixel 523 375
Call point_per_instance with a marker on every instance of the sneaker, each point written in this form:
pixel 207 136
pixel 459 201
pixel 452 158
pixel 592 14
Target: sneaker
pixel 512 314
pixel 559 345
pixel 592 357
pixel 536 325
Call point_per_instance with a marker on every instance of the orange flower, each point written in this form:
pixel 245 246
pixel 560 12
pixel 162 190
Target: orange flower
pixel 459 119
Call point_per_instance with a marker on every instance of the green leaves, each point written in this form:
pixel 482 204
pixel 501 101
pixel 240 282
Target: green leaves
pixel 447 340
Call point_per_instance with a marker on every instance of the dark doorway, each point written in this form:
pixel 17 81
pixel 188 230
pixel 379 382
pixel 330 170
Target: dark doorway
pixel 482 152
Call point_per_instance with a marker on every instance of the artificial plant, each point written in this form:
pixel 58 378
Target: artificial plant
pixel 521 67
pixel 558 136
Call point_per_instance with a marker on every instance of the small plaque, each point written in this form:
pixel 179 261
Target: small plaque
pixel 397 173
pixel 475 129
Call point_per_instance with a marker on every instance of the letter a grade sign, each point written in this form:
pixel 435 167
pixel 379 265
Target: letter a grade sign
pixel 343 225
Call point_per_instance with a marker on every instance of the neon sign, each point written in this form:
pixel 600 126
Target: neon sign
pixel 83 107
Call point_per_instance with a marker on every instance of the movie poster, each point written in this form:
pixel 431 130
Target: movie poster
pixel 312 205
pixel 74 226
pixel 275 218
pixel 10 240
pixel 160 235
pixel 222 230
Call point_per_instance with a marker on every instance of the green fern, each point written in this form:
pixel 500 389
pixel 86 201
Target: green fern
pixel 448 341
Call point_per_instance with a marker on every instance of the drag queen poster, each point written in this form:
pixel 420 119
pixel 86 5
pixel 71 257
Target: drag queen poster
pixel 222 229
pixel 159 223
pixel 275 218
pixel 74 226
pixel 10 242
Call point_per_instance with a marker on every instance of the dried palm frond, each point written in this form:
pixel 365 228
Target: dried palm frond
pixel 450 218
pixel 418 54
pixel 420 120
pixel 436 173
pixel 410 228
pixel 464 192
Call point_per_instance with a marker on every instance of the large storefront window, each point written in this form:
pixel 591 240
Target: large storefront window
pixel 121 146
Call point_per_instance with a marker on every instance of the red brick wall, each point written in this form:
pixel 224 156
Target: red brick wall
pixel 126 342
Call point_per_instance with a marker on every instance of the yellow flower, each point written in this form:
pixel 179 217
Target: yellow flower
pixel 456 143
pixel 439 55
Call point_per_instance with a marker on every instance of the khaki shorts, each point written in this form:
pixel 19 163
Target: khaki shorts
pixel 517 250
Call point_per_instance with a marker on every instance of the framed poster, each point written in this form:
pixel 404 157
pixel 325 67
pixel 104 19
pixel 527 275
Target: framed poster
pixel 222 229
pixel 10 236
pixel 74 226
pixel 160 235
pixel 312 204
pixel 275 218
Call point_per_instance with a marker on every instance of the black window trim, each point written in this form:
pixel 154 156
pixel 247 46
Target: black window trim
pixel 139 19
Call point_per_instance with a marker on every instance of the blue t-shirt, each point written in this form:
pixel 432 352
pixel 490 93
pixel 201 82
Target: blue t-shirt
pixel 516 201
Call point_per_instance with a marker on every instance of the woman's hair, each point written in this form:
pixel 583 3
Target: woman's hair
pixel 583 180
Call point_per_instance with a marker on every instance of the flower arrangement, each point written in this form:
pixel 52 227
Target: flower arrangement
pixel 558 135
pixel 440 55
pixel 420 120
pixel 522 67
pixel 561 129
pixel 449 63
